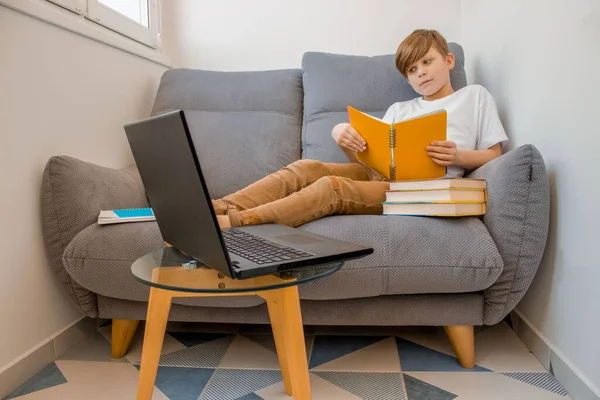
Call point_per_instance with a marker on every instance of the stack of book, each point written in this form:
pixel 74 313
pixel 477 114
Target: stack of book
pixel 436 197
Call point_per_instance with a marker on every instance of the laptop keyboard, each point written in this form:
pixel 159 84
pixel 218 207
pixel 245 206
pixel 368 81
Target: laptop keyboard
pixel 259 250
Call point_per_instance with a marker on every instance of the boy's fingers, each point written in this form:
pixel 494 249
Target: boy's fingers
pixel 441 156
pixel 353 131
pixel 351 145
pixel 357 138
pixel 357 141
pixel 440 162
pixel 354 141
pixel 438 149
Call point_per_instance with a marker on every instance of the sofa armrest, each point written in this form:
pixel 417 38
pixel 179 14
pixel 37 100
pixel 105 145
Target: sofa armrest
pixel 517 217
pixel 73 193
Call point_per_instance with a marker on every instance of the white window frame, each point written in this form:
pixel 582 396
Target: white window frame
pixel 108 17
pixel 77 6
pixel 72 16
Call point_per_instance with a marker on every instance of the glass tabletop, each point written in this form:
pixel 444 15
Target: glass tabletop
pixel 168 268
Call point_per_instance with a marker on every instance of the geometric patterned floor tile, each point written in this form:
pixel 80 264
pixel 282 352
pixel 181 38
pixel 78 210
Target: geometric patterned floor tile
pixel 328 348
pixel 182 383
pixel 190 339
pixel 413 364
pixel 134 354
pixel 542 380
pixel 94 381
pixel 266 341
pixel 500 349
pixel 205 355
pixel 48 377
pixel 419 390
pixel 244 353
pixel 250 396
pixel 231 384
pixel 484 385
pixel 381 356
pixel 368 386
pixel 93 348
pixel 321 390
pixel 414 357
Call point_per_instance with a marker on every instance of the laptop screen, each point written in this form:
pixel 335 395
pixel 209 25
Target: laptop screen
pixel 166 159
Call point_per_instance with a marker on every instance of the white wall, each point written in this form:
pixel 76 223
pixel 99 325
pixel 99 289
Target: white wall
pixel 272 34
pixel 60 93
pixel 540 60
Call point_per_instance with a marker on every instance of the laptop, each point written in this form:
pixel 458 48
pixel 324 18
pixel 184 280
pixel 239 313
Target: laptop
pixel 165 154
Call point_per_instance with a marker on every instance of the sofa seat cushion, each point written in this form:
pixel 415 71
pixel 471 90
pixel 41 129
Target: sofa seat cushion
pixel 99 258
pixel 412 255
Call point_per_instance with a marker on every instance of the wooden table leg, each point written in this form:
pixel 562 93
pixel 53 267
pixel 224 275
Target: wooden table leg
pixel 275 305
pixel 156 325
pixel 286 314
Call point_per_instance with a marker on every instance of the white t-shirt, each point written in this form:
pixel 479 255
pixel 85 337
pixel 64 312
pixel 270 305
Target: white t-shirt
pixel 473 122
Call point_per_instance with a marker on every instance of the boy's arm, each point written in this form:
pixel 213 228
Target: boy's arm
pixel 490 136
pixel 473 159
pixel 445 153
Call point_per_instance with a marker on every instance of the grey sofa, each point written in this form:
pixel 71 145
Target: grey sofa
pixel 455 273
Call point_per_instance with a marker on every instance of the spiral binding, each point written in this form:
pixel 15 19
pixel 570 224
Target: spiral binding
pixel 392 147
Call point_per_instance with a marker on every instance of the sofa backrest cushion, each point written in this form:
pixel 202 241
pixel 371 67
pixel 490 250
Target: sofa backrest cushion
pixel 371 84
pixel 244 125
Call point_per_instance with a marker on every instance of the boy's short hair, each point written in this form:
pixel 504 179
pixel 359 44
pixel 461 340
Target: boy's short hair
pixel 416 45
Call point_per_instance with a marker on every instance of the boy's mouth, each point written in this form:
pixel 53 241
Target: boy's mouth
pixel 424 82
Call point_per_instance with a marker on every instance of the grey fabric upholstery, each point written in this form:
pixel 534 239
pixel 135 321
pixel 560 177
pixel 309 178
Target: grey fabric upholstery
pixel 412 255
pixel 419 309
pixel 517 218
pixel 244 125
pixel 371 84
pixel 73 193
pixel 100 259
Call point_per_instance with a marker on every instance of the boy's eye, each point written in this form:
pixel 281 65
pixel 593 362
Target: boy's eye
pixel 412 69
pixel 427 61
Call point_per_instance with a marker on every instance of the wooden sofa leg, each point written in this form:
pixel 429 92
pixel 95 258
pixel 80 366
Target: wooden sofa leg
pixel 462 339
pixel 122 333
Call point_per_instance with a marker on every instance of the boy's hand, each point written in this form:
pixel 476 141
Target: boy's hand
pixel 347 137
pixel 443 153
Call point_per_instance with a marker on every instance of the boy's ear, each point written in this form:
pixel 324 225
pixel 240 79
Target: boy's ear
pixel 450 60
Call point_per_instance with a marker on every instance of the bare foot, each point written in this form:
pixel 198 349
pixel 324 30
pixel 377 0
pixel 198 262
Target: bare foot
pixel 224 221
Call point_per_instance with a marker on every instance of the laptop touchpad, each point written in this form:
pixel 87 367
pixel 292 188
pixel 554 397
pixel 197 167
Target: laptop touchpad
pixel 295 238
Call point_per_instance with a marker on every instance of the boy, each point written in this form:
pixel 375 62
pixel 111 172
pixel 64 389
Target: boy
pixel 308 189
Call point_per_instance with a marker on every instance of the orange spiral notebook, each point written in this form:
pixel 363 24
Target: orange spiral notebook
pixel 397 150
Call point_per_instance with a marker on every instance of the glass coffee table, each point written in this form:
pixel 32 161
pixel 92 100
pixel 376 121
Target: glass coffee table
pixel 170 274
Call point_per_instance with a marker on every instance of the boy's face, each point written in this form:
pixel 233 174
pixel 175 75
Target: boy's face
pixel 431 73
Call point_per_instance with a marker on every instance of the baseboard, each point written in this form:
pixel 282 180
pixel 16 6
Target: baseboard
pixel 579 386
pixel 23 368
